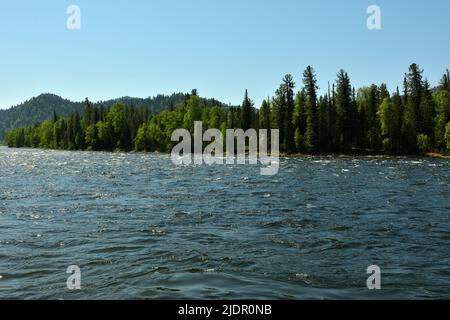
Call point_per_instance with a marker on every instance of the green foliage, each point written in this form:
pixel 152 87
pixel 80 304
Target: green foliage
pixel 264 115
pixel 283 108
pixel 447 136
pixel 389 123
pixel 368 102
pixel 41 108
pixel 345 111
pixel 246 110
pixel 423 143
pixel 442 101
pixel 194 112
pixel 298 139
pixel 413 121
pixel 416 121
pixel 310 83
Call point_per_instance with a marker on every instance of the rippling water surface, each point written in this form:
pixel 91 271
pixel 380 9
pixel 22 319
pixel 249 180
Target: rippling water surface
pixel 140 227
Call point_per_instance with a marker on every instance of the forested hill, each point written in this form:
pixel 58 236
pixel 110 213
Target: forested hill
pixel 43 107
pixel 36 110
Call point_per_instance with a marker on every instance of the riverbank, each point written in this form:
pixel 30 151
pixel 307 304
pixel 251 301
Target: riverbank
pixel 350 153
pixel 366 153
pixel 437 155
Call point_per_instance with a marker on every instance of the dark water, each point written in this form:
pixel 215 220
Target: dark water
pixel 140 227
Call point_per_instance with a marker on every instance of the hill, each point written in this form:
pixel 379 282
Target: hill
pixel 41 108
pixel 36 110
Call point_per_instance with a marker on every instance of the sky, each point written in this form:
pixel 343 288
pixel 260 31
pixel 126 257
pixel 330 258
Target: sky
pixel 221 47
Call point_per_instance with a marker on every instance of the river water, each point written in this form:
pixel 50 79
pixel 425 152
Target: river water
pixel 140 227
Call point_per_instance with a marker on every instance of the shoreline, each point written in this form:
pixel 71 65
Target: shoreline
pixel 359 153
pixel 431 155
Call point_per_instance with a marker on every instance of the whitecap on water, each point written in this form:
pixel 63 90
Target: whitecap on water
pixel 412 162
pixel 324 162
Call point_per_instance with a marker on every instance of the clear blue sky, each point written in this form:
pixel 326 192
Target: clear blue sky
pixel 221 47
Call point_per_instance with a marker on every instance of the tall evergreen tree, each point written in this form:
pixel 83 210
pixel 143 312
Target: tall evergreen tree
pixel 246 110
pixel 324 119
pixel 445 81
pixel 344 105
pixel 289 85
pixel 264 115
pixel 299 119
pixel 310 84
pixel 398 114
pixel 427 111
pixel 87 112
pixel 279 113
pixel 412 118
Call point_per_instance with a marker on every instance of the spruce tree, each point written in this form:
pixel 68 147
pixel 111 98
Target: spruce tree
pixel 310 88
pixel 412 118
pixel 246 116
pixel 289 85
pixel 264 115
pixel 427 111
pixel 344 110
pixel 279 114
pixel 299 119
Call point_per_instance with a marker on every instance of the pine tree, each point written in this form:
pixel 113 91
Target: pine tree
pixel 55 117
pixel 87 112
pixel 299 119
pixel 334 127
pixel 264 115
pixel 383 93
pixel 411 120
pixel 310 84
pixel 398 114
pixel 427 111
pixel 344 110
pixel 279 113
pixel 246 110
pixel 289 85
pixel 445 82
pixel 405 91
pixel 323 118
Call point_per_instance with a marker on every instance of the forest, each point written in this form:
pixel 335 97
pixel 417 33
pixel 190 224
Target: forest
pixel 412 120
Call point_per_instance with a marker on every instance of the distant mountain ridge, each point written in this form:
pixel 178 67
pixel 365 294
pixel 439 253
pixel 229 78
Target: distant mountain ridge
pixel 41 108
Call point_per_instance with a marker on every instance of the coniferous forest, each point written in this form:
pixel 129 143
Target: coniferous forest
pixel 408 120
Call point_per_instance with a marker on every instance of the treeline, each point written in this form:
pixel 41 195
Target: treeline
pixel 413 120
pixel 41 108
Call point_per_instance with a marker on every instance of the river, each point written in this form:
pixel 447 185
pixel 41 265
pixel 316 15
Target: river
pixel 140 227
